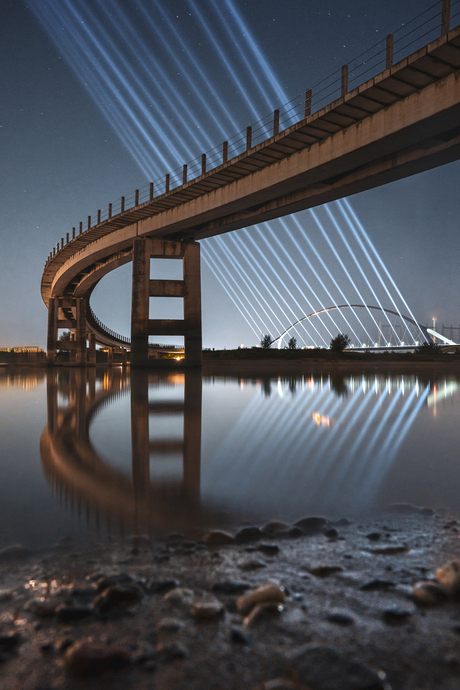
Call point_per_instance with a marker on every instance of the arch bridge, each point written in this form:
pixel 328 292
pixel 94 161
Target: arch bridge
pixel 400 122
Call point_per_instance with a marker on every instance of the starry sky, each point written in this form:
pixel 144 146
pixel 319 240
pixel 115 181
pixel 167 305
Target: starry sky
pixel 100 97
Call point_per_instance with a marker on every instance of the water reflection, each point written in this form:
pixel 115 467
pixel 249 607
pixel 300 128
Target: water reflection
pixel 260 449
pixel 84 479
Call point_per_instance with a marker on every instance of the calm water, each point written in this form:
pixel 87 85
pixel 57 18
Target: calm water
pixel 99 452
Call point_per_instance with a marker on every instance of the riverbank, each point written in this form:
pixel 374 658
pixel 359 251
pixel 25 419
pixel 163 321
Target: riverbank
pixel 340 612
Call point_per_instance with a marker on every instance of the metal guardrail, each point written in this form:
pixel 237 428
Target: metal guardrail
pixel 382 55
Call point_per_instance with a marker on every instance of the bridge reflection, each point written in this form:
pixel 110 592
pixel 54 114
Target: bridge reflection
pixel 95 487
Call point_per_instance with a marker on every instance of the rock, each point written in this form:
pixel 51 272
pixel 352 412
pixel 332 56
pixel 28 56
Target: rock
pixel 118 596
pixel 87 658
pixel 324 668
pixel 376 584
pixel 331 533
pixel 340 617
pixel 73 613
pixel 373 536
pixel 6 594
pixel 218 538
pixel 269 592
pixel 10 641
pixel 248 534
pixel 429 593
pixel 294 533
pixel 396 614
pixel 429 512
pixel 404 508
pixel 277 684
pixel 230 587
pixel 110 580
pixel 449 576
pixel 253 564
pixel 269 549
pixel 181 596
pixel 207 610
pixel 44 608
pixel 14 552
pixel 171 651
pixel 263 610
pixel 325 570
pixel 239 636
pixel 311 525
pixel 274 526
pixel 161 586
pixel 389 550
pixel 171 625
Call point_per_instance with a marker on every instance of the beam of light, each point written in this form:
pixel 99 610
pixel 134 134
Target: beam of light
pixel 315 273
pixel 358 265
pixel 330 275
pixel 250 259
pixel 385 458
pixel 304 280
pixel 95 47
pixel 379 259
pixel 228 289
pixel 369 258
pixel 268 76
pixel 251 286
pixel 259 229
pixel 245 93
pixel 342 265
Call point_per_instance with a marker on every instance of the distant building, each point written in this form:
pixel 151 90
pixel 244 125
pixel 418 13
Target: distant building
pixel 22 348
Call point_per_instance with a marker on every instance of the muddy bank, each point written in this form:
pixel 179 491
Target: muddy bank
pixel 339 610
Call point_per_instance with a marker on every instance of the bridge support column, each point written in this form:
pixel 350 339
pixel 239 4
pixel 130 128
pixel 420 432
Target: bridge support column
pixel 68 313
pixel 92 349
pixel 189 288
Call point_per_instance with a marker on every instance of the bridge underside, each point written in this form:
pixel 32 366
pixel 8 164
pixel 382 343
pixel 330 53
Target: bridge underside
pixel 399 123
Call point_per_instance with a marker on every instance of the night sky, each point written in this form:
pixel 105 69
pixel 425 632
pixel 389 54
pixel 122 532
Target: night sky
pixel 100 97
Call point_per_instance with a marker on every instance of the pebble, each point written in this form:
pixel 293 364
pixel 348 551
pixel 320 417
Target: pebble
pixel 118 596
pixel 207 610
pixel 44 608
pixel 429 593
pixel 230 586
pixel 109 580
pixel 373 536
pixel 277 684
pixel 324 668
pixel 248 534
pixel 311 525
pixel 87 658
pixel 269 592
pixel 14 552
pixel 396 614
pixel 171 651
pixel 376 584
pixel 171 625
pixel 73 613
pixel 181 596
pixel 274 526
pixel 449 576
pixel 325 570
pixel 161 586
pixel 266 608
pixel 218 538
pixel 340 617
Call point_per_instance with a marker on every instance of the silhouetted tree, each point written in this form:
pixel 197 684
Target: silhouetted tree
pixel 266 342
pixel 292 344
pixel 340 342
pixel 64 338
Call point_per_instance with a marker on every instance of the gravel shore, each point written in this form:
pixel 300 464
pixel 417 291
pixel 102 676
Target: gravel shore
pixel 349 605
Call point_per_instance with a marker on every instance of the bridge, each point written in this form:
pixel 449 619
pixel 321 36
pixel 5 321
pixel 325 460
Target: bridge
pixel 400 122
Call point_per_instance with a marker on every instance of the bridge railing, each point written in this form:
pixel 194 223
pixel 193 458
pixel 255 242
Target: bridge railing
pixel 425 27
